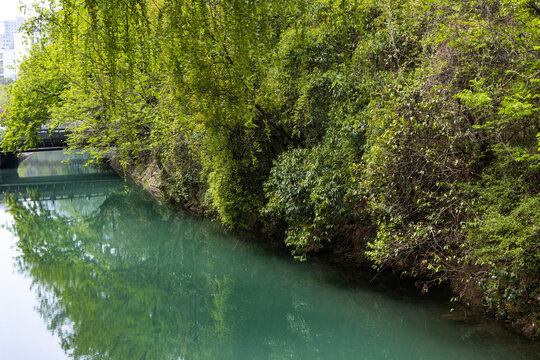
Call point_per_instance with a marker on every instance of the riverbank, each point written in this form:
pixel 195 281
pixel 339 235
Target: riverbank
pixel 347 253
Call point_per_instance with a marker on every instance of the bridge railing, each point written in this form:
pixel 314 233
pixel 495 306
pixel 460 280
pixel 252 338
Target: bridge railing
pixel 47 140
pixel 51 140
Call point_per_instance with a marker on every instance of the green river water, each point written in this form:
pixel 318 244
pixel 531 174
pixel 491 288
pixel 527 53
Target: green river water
pixel 93 268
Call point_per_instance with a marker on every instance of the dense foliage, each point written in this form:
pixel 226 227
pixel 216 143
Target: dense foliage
pixel 4 83
pixel 421 117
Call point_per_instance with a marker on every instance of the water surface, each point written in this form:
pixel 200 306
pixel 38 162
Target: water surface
pixel 102 271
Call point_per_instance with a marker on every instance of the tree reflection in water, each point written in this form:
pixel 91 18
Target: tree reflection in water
pixel 125 280
pixel 122 277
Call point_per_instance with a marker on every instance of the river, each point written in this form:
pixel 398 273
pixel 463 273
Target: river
pixel 93 268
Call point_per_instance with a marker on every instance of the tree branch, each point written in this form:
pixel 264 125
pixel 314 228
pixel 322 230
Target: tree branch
pixel 535 7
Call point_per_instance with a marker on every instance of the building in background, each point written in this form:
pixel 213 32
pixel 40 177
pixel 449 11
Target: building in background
pixel 8 64
pixel 13 47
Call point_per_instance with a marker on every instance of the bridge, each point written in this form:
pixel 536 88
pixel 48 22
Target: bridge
pixel 47 140
pixel 58 187
pixel 55 186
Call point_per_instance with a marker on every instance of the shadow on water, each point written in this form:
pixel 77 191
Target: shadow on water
pixel 119 276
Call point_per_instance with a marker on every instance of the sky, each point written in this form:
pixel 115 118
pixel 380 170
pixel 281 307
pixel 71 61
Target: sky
pixel 9 9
